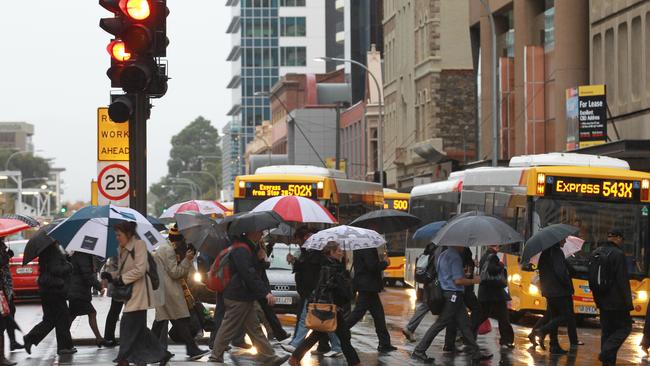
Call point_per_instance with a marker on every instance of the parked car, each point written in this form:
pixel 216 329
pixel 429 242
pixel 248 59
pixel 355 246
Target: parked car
pixel 25 277
pixel 282 279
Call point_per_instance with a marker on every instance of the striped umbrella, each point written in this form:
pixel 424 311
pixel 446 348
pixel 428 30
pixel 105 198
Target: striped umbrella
pixel 12 226
pixel 204 207
pixel 297 209
pixel 32 222
pixel 90 230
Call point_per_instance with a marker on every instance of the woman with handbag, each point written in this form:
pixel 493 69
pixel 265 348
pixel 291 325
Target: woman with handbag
pixel 493 296
pixel 334 287
pixel 132 285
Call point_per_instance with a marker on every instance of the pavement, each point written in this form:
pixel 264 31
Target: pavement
pixel 398 303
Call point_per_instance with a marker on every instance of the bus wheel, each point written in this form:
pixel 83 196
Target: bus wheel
pixel 515 316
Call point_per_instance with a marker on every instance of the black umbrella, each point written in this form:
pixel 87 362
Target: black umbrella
pixel 32 222
pixel 478 229
pixel 39 242
pixel 546 238
pixel 386 221
pixel 251 221
pixel 205 234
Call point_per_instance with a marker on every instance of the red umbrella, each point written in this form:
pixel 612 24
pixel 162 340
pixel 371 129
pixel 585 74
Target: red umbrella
pixel 204 207
pixel 12 226
pixel 297 209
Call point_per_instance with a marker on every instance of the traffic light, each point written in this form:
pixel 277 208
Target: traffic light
pixel 139 28
pixel 121 108
pixel 64 209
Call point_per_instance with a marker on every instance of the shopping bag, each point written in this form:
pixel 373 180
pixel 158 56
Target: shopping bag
pixel 485 327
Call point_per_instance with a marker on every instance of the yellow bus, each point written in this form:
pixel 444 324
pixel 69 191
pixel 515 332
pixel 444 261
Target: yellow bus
pixel 395 241
pixel 346 199
pixel 591 192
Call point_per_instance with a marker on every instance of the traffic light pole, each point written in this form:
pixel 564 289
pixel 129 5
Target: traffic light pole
pixel 138 154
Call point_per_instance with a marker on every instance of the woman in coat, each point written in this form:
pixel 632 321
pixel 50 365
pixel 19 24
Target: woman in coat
pixel 83 280
pixel 138 345
pixel 334 283
pixel 175 308
pixel 53 283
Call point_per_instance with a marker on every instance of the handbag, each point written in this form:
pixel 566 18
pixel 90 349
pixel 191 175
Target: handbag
pixel 436 300
pixel 4 304
pixel 496 280
pixel 321 317
pixel 122 293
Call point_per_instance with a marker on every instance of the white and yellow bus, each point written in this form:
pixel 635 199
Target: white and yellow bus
pixel 396 241
pixel 591 192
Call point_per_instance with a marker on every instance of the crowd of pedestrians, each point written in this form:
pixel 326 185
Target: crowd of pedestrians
pixel 139 281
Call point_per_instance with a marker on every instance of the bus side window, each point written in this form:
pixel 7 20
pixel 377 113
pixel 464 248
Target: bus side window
pixel 489 203
pixel 520 221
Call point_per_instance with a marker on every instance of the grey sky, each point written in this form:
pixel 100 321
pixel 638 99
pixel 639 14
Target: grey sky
pixel 53 63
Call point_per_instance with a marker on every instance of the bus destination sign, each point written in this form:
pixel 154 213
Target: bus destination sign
pixel 396 204
pixel 607 189
pixel 266 190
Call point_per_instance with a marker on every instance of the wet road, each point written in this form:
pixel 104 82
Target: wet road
pixel 399 305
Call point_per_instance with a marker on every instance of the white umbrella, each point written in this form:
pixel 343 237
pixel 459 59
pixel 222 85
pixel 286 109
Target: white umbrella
pixel 297 209
pixel 349 237
pixel 572 245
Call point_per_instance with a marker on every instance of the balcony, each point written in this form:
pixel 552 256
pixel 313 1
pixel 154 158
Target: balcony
pixel 234 82
pixel 233 27
pixel 234 53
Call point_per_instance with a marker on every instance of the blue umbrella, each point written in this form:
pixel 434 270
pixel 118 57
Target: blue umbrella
pixel 428 231
pixel 90 230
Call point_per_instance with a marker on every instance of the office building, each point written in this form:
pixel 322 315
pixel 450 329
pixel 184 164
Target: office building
pixel 16 136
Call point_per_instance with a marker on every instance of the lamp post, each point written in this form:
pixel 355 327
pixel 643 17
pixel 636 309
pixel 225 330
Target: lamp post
pixel 495 87
pixel 380 125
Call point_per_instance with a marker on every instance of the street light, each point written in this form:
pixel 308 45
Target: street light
pixel 495 87
pixel 204 173
pixel 380 125
pixel 19 152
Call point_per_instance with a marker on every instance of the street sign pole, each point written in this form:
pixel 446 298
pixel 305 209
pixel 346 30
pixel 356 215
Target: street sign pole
pixel 138 154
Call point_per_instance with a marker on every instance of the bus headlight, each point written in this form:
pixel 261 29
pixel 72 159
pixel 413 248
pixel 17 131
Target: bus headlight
pixel 642 296
pixel 197 277
pixel 533 290
pixel 516 279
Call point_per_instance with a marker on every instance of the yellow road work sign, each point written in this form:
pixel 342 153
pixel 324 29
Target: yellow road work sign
pixel 112 138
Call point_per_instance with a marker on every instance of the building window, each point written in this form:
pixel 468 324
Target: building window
pixel 293 56
pixel 549 26
pixel 623 55
pixel 259 3
pixel 293 27
pixel 260 28
pixel 292 2
pixel 597 59
pixel 636 57
pixel 610 70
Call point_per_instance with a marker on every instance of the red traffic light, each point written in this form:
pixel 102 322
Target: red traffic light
pixel 117 50
pixel 136 9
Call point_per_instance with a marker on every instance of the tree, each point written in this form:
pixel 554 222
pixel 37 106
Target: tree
pixel 196 156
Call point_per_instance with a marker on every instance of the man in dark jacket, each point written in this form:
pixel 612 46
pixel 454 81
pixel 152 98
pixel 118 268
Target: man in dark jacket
pixel 368 282
pixel 615 301
pixel 240 296
pixel 493 297
pixel 53 281
pixel 557 288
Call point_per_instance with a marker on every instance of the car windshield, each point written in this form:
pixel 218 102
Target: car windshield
pixel 17 247
pixel 279 256
pixel 594 220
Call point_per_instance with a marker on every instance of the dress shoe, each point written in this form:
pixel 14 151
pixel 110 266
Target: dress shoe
pixel 109 343
pixel 533 339
pixel 165 360
pixel 67 351
pixel 199 354
pixel 28 345
pixel 283 337
pixel 277 360
pixel 422 357
pixel 409 335
pixel 386 348
pixel 446 349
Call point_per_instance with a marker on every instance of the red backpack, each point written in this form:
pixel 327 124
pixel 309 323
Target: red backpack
pixel 219 275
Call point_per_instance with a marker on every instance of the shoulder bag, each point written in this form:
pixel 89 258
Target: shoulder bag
pixel 496 280
pixel 122 293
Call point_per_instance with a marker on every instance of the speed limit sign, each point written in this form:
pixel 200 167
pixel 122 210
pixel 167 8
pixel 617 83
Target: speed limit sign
pixel 113 183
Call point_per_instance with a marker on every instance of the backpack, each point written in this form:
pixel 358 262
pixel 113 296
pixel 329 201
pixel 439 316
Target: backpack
pixel 599 272
pixel 153 270
pixel 425 271
pixel 220 275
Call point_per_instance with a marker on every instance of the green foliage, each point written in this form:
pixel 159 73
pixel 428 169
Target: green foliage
pixel 198 139
pixel 29 165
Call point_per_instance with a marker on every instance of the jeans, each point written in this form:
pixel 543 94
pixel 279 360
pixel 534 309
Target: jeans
pixel 301 333
pixel 453 313
pixel 558 313
pixel 421 311
pixel 369 301
pixel 55 316
pixel 616 326
pixel 342 332
pixel 499 311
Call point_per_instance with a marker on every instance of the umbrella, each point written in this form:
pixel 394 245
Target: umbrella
pixel 297 209
pixel 157 224
pixel 284 230
pixel 573 245
pixel 428 231
pixel 476 230
pixel 251 221
pixel 204 207
pixel 39 242
pixel 386 221
pixel 546 238
pixel 90 230
pixel 12 226
pixel 32 222
pixel 205 234
pixel 349 237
